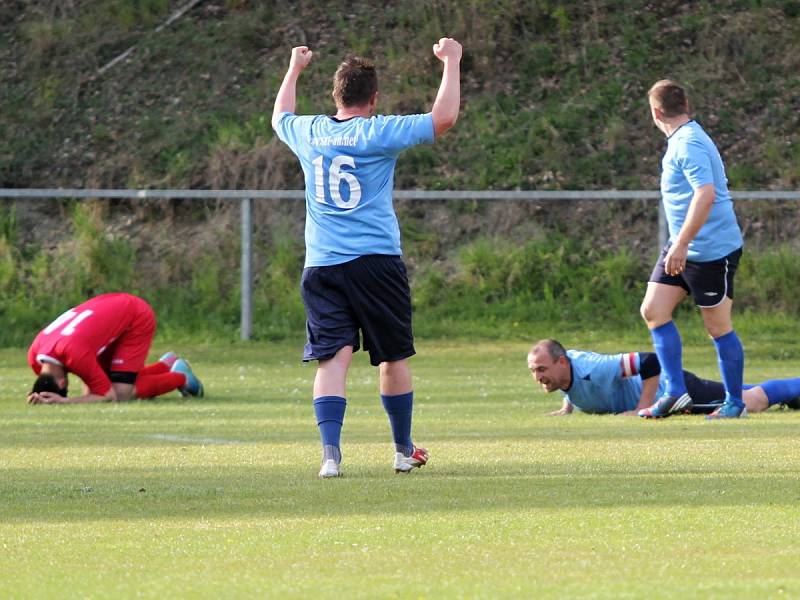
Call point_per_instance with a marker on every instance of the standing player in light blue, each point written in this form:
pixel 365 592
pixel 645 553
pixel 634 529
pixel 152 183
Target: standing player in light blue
pixel 354 279
pixel 701 256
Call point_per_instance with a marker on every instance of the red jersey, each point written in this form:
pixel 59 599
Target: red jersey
pixel 110 332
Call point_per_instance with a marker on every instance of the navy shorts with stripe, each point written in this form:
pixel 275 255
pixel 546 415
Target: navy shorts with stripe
pixel 706 395
pixel 708 282
pixel 369 296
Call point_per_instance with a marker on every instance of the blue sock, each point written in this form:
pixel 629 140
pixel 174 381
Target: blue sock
pixel 667 344
pixel 781 390
pixel 330 416
pixel 730 356
pixel 400 408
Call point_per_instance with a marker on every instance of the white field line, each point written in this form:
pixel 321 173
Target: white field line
pixel 188 439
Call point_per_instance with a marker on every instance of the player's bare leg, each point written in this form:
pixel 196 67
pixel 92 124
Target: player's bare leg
pixel 717 319
pixel 395 377
pixel 124 391
pixel 659 303
pixel 755 399
pixel 331 378
pixel 783 392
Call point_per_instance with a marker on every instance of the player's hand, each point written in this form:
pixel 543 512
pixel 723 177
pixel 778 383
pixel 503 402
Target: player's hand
pixel 301 56
pixel 447 49
pixel 561 412
pixel 45 398
pixel 675 260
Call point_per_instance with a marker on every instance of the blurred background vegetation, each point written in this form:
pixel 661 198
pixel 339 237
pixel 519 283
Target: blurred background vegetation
pixel 553 98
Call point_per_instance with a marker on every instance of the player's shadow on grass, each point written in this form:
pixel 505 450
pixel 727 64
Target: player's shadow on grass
pixel 75 495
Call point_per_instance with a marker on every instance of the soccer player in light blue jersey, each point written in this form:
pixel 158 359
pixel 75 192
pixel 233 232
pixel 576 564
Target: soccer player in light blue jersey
pixel 354 283
pixel 628 382
pixel 701 257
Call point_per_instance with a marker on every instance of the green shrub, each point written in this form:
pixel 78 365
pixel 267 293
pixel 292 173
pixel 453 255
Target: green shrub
pixel 488 287
pixel 278 310
pixel 553 279
pixel 769 281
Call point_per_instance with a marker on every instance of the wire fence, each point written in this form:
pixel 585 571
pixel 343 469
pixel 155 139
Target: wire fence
pixel 246 198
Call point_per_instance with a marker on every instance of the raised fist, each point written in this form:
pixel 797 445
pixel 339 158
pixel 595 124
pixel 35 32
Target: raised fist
pixel 301 56
pixel 447 49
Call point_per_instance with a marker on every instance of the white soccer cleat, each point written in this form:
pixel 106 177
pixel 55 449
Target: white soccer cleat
pixel 330 469
pixel 405 464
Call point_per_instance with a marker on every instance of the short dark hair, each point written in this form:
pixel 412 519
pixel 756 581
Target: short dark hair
pixel 552 347
pixel 670 97
pixel 355 82
pixel 47 383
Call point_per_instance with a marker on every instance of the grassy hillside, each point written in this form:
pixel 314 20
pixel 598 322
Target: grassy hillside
pixel 553 91
pixel 553 98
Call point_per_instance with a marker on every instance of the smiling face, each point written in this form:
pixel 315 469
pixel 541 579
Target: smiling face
pixel 551 374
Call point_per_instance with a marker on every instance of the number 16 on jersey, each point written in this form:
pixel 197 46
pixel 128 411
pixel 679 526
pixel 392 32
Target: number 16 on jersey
pixel 336 176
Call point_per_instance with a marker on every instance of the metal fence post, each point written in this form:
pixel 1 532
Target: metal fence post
pixel 663 230
pixel 247 269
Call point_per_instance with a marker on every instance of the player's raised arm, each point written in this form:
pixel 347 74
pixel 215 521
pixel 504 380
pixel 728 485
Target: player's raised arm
pixel 445 107
pixel 286 99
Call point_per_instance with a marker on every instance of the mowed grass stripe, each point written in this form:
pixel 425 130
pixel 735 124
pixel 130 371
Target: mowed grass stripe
pixel 138 500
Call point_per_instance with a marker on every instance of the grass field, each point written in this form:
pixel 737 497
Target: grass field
pixel 219 497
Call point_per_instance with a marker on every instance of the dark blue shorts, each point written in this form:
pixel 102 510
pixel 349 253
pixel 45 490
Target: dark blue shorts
pixel 706 395
pixel 708 282
pixel 369 295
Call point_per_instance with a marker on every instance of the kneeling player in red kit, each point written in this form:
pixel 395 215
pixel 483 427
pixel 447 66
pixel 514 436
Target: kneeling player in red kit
pixel 105 342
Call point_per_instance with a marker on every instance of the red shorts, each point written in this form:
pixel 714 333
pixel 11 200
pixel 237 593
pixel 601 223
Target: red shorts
pixel 129 351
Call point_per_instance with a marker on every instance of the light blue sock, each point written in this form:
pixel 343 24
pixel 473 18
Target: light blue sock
pixel 668 347
pixel 400 409
pixel 730 356
pixel 781 390
pixel 330 417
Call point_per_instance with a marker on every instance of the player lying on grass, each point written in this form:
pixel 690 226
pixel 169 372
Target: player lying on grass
pixel 354 281
pixel 626 383
pixel 105 342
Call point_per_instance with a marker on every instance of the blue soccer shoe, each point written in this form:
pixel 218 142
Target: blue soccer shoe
pixel 192 387
pixel 168 358
pixel 728 410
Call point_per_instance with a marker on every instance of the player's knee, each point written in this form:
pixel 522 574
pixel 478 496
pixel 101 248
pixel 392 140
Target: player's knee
pixel 717 327
pixel 124 391
pixel 755 399
pixel 646 311
pixel 394 368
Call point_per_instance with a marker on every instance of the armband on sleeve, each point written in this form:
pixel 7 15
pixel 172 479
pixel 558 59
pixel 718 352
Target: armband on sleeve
pixel 649 365
pixel 639 363
pixel 628 364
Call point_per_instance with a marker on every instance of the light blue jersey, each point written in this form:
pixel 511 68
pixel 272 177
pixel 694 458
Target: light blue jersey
pixel 605 383
pixel 349 176
pixel 691 161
